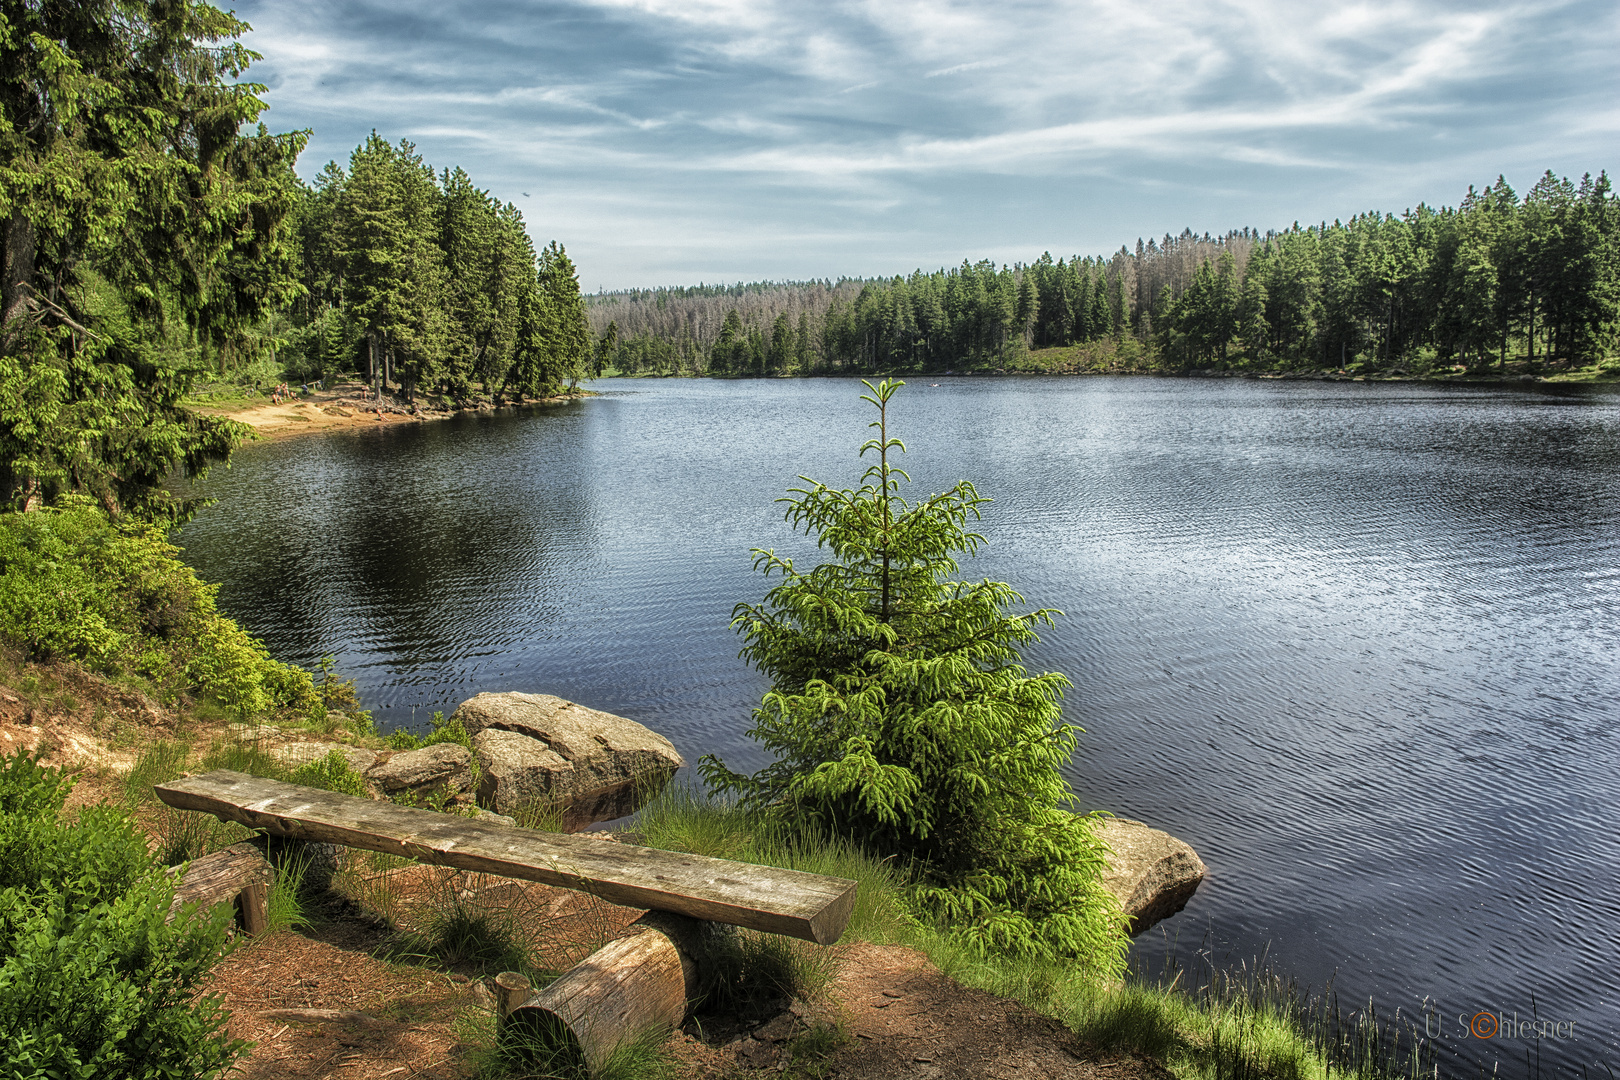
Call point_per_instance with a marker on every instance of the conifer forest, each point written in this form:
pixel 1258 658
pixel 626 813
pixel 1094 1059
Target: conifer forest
pixel 1499 278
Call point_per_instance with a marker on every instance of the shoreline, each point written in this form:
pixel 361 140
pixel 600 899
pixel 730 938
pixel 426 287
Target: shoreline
pixel 1508 379
pixel 345 407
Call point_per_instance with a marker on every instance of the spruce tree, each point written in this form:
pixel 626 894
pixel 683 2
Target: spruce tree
pixel 900 717
pixel 145 239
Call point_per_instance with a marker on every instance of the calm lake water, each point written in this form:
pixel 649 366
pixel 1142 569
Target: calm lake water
pixel 1357 644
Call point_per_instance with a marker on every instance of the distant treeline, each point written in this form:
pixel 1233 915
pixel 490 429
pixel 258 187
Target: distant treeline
pixel 1497 278
pixel 423 280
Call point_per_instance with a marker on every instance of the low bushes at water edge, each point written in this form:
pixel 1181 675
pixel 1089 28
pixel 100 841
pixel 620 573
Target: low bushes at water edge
pixel 115 597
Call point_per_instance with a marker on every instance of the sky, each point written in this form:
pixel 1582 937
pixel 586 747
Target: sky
pixel 667 142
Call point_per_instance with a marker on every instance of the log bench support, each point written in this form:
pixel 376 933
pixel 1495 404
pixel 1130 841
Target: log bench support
pixel 637 985
pixel 238 875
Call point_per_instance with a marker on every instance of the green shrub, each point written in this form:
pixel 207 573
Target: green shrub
pixel 900 717
pixel 440 731
pixel 115 597
pixel 331 773
pixel 94 982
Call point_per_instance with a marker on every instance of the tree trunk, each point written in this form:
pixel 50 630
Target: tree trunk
pixel 1530 337
pixel 18 268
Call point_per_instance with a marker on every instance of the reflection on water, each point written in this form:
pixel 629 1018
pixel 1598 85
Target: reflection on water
pixel 1357 644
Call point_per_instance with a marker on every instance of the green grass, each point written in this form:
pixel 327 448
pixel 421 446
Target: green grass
pixel 285 903
pixel 546 815
pixel 243 756
pixel 1205 1025
pixel 159 761
pixel 538 1053
pixel 331 773
pixel 461 930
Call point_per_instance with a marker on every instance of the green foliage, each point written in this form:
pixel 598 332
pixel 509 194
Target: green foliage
pixel 284 906
pixel 1205 1023
pixel 460 927
pixel 331 773
pixel 243 756
pixel 116 597
pixel 1498 279
pixel 159 761
pixel 93 981
pixel 425 282
pixel 547 1051
pixel 144 235
pixel 441 731
pixel 899 715
pixel 680 819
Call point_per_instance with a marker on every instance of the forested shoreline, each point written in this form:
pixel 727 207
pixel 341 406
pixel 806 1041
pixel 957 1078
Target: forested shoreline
pixel 1533 282
pixel 157 239
pixel 422 280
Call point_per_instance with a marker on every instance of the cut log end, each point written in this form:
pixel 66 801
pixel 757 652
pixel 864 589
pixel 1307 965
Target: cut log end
pixel 628 988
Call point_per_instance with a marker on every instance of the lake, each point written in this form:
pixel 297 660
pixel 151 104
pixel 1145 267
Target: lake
pixel 1356 643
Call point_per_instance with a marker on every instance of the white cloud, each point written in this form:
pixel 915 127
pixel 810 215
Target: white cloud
pixel 907 119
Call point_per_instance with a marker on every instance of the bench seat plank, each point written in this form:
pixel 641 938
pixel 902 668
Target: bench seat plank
pixel 811 907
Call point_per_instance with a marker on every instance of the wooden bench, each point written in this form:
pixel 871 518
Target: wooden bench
pixel 788 902
pixel 641 981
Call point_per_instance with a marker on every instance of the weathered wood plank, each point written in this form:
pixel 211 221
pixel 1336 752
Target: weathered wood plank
pixel 238 874
pixel 811 907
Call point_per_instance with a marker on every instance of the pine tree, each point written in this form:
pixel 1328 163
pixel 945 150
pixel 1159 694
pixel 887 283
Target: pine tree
pixel 900 717
pixel 572 342
pixel 394 267
pixel 144 234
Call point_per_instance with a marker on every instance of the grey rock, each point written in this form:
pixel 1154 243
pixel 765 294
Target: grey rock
pixel 604 749
pixel 1150 872
pixel 594 765
pixel 445 768
pixel 516 770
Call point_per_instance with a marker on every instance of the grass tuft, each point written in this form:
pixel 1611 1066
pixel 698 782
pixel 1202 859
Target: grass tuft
pixel 243 756
pixel 159 761
pixel 545 815
pixel 285 903
pixel 537 1051
pixel 461 927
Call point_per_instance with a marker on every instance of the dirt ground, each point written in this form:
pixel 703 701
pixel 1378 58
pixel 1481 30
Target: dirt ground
pixel 345 406
pixel 898 1015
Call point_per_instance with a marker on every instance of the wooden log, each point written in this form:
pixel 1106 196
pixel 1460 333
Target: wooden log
pixel 238 875
pixel 254 905
pixel 812 907
pixel 511 991
pixel 635 986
